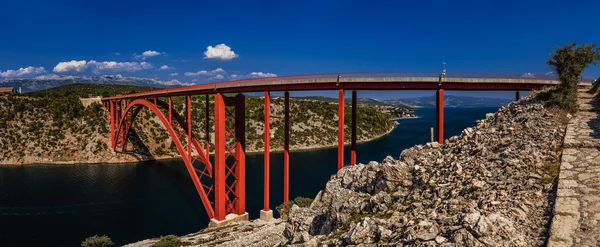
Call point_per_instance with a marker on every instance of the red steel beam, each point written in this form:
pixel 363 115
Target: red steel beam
pixel 170 111
pixel 188 109
pixel 219 166
pixel 439 104
pixel 354 123
pixel 207 126
pixel 286 146
pixel 340 129
pixel 267 139
pixel 111 113
pixel 240 152
pixel 213 88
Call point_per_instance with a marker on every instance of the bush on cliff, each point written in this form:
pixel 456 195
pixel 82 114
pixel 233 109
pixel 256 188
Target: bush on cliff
pixel 569 62
pixel 168 241
pixel 97 241
pixel 285 207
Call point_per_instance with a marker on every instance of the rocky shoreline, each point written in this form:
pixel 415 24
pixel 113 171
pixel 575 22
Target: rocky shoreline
pixel 494 185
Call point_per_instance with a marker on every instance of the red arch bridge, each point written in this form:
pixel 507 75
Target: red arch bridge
pixel 221 183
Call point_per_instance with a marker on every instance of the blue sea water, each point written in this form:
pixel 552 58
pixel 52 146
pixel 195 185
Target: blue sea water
pixel 60 205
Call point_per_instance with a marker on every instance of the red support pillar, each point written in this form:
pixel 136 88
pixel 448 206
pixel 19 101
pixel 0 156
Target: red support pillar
pixel 112 122
pixel 517 96
pixel 340 129
pixel 354 123
pixel 170 111
pixel 286 146
pixel 188 109
pixel 240 152
pixel 219 165
pixel 207 126
pixel 267 140
pixel 439 104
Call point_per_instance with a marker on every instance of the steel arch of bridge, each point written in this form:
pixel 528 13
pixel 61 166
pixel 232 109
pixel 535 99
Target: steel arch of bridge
pixel 219 195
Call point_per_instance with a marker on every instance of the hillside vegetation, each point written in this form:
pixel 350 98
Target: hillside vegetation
pixel 52 126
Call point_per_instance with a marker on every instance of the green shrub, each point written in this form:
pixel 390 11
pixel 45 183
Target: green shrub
pixel 97 241
pixel 168 241
pixel 284 208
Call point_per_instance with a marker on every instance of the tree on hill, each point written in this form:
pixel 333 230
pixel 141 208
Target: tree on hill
pixel 568 62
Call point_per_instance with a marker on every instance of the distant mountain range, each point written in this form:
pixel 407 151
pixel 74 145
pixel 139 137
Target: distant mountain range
pixel 41 83
pixel 424 102
pixel 449 101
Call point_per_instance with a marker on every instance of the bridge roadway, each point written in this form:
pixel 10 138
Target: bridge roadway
pixel 221 183
pixel 361 81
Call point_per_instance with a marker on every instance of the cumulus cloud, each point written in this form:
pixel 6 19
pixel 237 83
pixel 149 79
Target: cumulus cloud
pixel 206 72
pixel 233 76
pixel 112 66
pixel 148 54
pixel 528 75
pixel 217 77
pixel 220 51
pixel 174 74
pixel 165 67
pixel 261 74
pixel 76 66
pixel 201 72
pixel 218 70
pixel 97 67
pixel 21 72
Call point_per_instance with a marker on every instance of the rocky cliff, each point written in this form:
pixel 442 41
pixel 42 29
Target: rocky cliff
pixel 491 186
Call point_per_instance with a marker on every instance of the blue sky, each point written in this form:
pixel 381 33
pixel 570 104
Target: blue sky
pixel 85 38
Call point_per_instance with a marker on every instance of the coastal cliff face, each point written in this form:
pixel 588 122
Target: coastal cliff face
pixel 40 130
pixel 491 186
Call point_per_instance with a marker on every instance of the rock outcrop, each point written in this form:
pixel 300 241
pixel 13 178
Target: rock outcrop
pixel 490 186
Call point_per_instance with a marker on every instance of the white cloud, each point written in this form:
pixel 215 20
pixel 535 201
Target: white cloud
pixel 116 53
pixel 97 67
pixel 233 76
pixel 174 74
pixel 220 51
pixel 76 66
pixel 218 70
pixel 261 74
pixel 217 77
pixel 528 75
pixel 28 71
pixel 195 80
pixel 113 66
pixel 165 67
pixel 148 54
pixel 549 73
pixel 201 72
pixel 206 72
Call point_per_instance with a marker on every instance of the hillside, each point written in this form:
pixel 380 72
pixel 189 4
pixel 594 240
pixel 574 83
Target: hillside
pixel 449 101
pixel 85 90
pixel 53 127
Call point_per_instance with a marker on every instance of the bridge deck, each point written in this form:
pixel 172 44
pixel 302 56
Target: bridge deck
pixel 360 81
